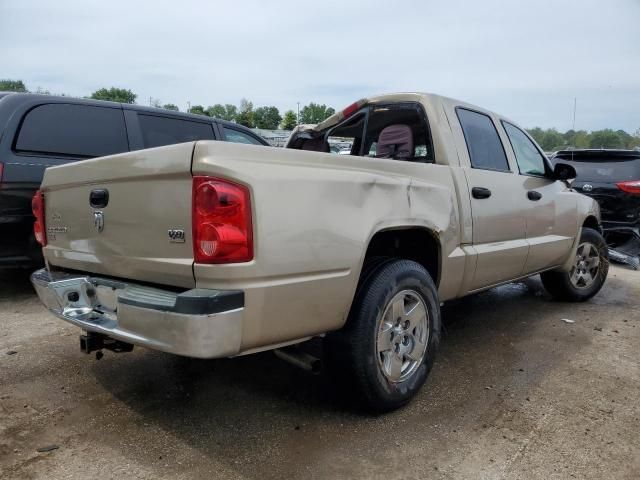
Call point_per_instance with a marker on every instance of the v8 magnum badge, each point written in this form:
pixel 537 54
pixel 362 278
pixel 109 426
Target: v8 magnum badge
pixel 98 221
pixel 176 235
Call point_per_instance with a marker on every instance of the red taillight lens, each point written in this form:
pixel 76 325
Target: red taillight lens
pixel 632 187
pixel 350 110
pixel 1 171
pixel 37 206
pixel 222 229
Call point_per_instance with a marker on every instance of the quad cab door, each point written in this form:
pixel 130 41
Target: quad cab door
pixel 498 201
pixel 551 213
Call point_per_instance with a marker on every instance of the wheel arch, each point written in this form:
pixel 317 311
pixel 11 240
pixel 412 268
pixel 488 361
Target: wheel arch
pixel 417 243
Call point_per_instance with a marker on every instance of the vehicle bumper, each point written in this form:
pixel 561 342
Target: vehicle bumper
pixel 198 323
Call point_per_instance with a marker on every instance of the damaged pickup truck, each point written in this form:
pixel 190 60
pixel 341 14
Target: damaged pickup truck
pixel 210 249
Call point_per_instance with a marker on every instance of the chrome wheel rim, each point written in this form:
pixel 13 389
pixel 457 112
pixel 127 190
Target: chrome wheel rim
pixel 586 266
pixel 402 336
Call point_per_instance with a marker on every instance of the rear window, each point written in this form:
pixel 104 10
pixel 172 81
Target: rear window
pixel 73 130
pixel 159 131
pixel 484 144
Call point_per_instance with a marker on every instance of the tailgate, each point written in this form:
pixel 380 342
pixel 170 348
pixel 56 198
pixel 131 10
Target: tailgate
pixel 137 234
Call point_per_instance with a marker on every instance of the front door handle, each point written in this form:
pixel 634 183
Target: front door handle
pixel 480 192
pixel 533 195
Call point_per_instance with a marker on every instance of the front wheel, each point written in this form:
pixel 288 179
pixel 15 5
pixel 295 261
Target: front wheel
pixel 588 271
pixel 387 347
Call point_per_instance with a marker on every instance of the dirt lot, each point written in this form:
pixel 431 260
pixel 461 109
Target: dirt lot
pixel 516 393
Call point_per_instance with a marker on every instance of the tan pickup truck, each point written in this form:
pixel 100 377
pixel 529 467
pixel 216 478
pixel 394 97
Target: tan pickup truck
pixel 210 249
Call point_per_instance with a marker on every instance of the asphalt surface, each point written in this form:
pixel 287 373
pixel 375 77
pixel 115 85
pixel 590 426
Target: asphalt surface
pixel 516 392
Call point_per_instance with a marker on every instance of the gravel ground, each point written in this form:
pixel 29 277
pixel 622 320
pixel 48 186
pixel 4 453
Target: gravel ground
pixel 516 393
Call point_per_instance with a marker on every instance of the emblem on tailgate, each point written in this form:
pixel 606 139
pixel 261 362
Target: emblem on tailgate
pixel 98 221
pixel 176 235
pixel 587 187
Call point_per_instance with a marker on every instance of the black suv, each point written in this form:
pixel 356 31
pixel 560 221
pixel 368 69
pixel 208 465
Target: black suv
pixel 40 131
pixel 612 178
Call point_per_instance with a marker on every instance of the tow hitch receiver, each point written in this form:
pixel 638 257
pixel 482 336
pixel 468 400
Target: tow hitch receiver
pixel 92 342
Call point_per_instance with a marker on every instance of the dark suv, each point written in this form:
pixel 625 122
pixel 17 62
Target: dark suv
pixel 612 178
pixel 40 131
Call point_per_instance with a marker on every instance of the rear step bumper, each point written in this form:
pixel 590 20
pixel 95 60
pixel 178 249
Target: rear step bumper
pixel 197 323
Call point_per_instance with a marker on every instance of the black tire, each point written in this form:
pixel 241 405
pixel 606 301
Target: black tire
pixel 560 285
pixel 352 352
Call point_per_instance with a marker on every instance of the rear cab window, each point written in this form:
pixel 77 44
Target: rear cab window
pixel 485 148
pixel 158 131
pixel 76 131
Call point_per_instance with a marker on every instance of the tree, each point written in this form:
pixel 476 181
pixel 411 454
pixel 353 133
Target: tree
pixel 198 110
pixel 225 112
pixel 290 120
pixel 267 118
pixel 606 138
pixel 171 106
pixel 552 140
pixel 114 94
pixel 12 86
pixel 246 113
pixel 315 113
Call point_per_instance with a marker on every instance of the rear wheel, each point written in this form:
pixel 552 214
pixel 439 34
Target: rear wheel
pixel 588 271
pixel 387 348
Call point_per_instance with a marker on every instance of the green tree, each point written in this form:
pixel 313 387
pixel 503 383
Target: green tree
pixel 113 94
pixel 315 113
pixel 290 120
pixel 171 106
pixel 552 140
pixel 267 118
pixel 12 86
pixel 198 110
pixel 225 112
pixel 606 138
pixel 246 114
pixel 537 133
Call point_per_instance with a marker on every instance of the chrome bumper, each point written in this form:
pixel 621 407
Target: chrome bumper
pixel 196 323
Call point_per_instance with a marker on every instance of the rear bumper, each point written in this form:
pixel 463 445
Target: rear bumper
pixel 197 323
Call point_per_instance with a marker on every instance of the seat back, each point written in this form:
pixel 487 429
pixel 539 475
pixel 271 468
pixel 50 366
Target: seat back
pixel 395 141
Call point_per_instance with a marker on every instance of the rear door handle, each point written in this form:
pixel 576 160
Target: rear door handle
pixel 533 195
pixel 480 192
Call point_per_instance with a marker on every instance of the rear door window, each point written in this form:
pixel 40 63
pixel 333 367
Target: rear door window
pixel 483 143
pixel 236 136
pixel 73 130
pixel 159 131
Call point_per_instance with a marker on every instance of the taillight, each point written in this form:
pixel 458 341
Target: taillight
pixel 632 187
pixel 222 229
pixel 1 171
pixel 37 206
pixel 350 110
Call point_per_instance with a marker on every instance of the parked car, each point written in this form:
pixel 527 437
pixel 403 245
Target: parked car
pixel 612 178
pixel 209 249
pixel 40 131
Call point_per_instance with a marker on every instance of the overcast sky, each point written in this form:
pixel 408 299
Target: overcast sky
pixel 524 59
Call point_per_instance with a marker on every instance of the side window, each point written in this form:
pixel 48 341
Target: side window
pixel 236 136
pixel 73 130
pixel 398 131
pixel 346 138
pixel 484 145
pixel 158 131
pixel 530 160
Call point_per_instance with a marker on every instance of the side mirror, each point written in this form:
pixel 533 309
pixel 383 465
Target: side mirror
pixel 565 173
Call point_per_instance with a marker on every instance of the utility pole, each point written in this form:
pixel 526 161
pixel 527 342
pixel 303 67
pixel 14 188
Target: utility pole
pixel 298 117
pixel 188 107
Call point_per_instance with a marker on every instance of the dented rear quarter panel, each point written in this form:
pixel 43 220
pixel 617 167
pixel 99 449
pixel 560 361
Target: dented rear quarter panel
pixel 314 215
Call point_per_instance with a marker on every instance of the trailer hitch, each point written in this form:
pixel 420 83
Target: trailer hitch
pixel 95 342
